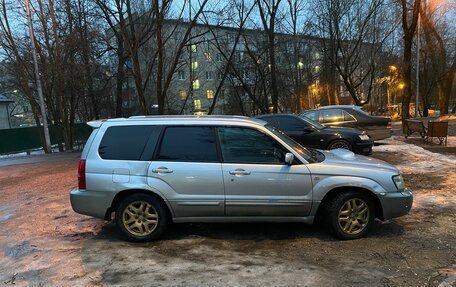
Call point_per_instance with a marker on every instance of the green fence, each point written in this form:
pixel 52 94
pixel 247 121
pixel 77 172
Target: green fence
pixel 27 138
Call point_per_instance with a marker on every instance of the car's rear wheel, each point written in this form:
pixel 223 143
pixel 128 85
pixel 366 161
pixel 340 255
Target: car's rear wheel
pixel 342 144
pixel 350 215
pixel 141 217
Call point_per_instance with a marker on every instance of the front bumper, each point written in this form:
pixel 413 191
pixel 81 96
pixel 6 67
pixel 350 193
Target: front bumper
pixel 364 148
pixel 396 204
pixel 91 203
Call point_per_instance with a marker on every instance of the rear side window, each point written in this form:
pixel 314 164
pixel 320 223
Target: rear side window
pixel 194 144
pixel 128 142
pixel 348 117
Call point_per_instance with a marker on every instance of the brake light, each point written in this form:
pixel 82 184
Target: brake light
pixel 82 174
pixel 389 125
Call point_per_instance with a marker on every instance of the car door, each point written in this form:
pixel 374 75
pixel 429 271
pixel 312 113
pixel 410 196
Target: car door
pixel 186 167
pixel 257 181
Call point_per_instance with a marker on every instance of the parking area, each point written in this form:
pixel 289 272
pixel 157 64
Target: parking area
pixel 44 243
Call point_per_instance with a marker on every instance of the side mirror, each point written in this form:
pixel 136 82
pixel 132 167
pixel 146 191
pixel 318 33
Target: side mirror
pixel 308 129
pixel 289 157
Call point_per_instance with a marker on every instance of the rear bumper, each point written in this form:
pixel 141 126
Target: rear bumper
pixel 91 203
pixel 380 134
pixel 396 204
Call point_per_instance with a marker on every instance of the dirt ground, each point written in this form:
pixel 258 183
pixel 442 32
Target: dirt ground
pixel 44 243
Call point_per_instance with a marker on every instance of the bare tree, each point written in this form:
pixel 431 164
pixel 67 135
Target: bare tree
pixel 353 35
pixel 442 68
pixel 409 22
pixel 269 10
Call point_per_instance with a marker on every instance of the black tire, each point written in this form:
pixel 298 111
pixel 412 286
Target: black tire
pixel 343 144
pixel 349 226
pixel 140 227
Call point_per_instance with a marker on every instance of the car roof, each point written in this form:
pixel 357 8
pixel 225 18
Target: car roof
pixel 276 115
pixel 176 119
pixel 340 107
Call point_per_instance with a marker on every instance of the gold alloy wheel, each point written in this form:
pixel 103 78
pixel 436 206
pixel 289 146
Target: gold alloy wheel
pixel 353 216
pixel 140 218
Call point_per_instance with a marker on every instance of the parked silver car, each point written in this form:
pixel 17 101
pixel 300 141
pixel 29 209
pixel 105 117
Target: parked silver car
pixel 152 171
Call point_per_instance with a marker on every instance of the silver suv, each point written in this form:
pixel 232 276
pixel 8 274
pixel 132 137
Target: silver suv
pixel 152 171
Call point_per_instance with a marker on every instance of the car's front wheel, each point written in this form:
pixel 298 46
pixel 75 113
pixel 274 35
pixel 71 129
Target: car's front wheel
pixel 141 217
pixel 342 144
pixel 350 215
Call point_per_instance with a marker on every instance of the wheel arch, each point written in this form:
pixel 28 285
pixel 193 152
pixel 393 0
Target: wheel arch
pixel 127 192
pixel 340 138
pixel 378 210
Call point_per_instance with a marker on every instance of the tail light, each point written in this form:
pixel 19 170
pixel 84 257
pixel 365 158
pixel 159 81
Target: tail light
pixel 82 174
pixel 388 125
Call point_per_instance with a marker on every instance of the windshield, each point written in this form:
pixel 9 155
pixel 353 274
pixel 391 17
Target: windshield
pixel 307 154
pixel 312 122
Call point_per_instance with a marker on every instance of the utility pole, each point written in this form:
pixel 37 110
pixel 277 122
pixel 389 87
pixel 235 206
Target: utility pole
pixel 417 94
pixel 47 147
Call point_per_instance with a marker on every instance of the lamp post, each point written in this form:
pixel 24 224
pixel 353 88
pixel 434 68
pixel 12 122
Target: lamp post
pixel 300 67
pixel 47 140
pixel 417 94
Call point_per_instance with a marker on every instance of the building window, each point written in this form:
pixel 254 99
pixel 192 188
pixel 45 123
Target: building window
pixel 289 46
pixel 194 48
pixel 317 56
pixel 219 57
pixel 181 75
pixel 231 37
pixel 179 35
pixel 208 56
pixel 194 65
pixel 196 84
pixel 209 75
pixel 197 104
pixel 183 94
pixel 220 75
pixel 210 94
pixel 240 56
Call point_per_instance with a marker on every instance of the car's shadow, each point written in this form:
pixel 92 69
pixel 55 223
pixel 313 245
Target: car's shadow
pixel 252 231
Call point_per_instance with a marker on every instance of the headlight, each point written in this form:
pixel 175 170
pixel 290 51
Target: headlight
pixel 399 182
pixel 364 137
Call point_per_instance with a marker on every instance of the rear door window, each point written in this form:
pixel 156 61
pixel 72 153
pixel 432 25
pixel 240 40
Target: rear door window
pixel 332 116
pixel 312 115
pixel 188 144
pixel 128 142
pixel 291 124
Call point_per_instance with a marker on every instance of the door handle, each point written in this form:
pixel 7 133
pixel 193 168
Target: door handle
pixel 162 170
pixel 239 171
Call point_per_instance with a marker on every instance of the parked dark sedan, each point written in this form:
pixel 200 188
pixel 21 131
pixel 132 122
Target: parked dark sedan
pixel 312 134
pixel 377 128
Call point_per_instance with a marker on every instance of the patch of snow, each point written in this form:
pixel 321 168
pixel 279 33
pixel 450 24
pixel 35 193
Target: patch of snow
pixel 34 152
pixel 417 159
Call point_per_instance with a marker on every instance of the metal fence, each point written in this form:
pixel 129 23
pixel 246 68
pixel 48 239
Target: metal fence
pixel 28 138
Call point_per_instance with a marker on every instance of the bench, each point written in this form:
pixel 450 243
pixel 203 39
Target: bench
pixel 439 130
pixel 435 129
pixel 414 126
